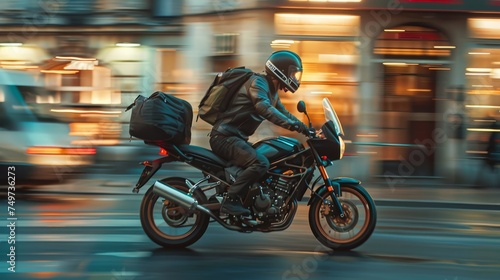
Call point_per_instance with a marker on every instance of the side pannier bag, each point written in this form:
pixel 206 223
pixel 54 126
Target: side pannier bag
pixel 161 117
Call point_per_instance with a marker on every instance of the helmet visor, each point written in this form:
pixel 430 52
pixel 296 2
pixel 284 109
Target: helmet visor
pixel 295 76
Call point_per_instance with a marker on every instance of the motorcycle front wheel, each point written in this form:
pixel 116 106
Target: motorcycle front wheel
pixel 348 232
pixel 168 224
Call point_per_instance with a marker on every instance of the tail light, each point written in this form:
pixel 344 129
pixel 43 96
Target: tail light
pixel 43 150
pixel 163 152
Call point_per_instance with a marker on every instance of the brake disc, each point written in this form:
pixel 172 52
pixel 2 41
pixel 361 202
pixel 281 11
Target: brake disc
pixel 341 224
pixel 173 214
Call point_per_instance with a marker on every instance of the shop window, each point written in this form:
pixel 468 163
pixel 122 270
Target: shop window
pixel 226 44
pixel 409 88
pixel 316 24
pixel 330 70
pixel 225 52
pixel 482 102
pixel 412 41
pixel 484 28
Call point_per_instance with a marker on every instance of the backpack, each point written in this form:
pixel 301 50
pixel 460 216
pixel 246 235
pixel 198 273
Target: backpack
pixel 221 92
pixel 161 117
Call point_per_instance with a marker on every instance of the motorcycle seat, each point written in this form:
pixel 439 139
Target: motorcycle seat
pixel 204 153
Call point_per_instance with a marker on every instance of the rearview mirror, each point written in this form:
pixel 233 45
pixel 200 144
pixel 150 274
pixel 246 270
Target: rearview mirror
pixel 301 106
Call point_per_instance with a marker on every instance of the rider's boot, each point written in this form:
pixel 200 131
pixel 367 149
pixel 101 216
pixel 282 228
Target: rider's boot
pixel 232 205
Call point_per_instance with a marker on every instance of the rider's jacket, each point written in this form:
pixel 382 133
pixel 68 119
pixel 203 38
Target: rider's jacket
pixel 254 102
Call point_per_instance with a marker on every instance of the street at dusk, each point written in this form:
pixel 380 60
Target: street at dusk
pixel 224 139
pixel 90 229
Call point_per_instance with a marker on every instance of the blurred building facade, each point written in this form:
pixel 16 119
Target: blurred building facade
pixel 415 82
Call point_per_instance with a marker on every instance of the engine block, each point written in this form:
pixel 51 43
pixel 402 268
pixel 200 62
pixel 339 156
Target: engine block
pixel 268 201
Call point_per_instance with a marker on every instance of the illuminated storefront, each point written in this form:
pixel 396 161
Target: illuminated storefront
pixel 420 78
pixel 482 104
pixel 399 72
pixel 89 86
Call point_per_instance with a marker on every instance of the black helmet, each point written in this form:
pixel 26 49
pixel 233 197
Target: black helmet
pixel 286 66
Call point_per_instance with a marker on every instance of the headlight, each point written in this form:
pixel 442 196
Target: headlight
pixel 342 147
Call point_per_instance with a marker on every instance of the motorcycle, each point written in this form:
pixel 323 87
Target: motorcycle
pixel 175 212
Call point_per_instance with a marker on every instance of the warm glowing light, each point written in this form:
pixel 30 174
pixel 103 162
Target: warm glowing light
pixel 482 106
pixel 11 44
pixel 477 152
pixel 19 67
pixel 395 64
pixel 75 58
pixel 163 152
pixel 419 90
pixel 316 24
pixel 338 58
pixel 477 74
pixel 367 135
pixel 483 129
pixel 84 111
pixel 444 47
pixel 62 72
pixel 97 142
pixel 127 44
pixel 80 151
pixel 321 92
pixel 282 43
pixel 13 62
pixel 44 150
pixel 440 68
pixel 485 121
pixel 403 51
pixel 60 151
pixel 479 69
pixel 394 30
pixel 484 28
pixel 479 53
pixel 482 86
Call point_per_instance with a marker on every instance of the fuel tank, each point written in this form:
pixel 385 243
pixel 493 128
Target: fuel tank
pixel 275 148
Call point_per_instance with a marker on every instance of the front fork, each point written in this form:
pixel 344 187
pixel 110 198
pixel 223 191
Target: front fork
pixel 333 188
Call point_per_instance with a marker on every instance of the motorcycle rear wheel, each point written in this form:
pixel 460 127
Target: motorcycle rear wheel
pixel 169 225
pixel 346 233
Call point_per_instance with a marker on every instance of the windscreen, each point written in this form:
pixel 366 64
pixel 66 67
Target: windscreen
pixel 330 115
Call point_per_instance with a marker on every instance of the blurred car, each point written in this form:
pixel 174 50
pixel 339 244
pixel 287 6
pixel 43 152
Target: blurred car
pixel 39 147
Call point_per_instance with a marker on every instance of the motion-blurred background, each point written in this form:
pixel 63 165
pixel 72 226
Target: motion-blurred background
pixel 415 83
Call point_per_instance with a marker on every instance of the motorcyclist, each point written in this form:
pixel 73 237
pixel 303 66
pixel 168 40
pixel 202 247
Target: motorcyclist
pixel 256 101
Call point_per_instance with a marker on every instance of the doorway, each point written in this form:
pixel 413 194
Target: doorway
pixel 413 67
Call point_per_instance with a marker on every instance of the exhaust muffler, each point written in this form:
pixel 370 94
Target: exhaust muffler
pixel 189 203
pixel 174 195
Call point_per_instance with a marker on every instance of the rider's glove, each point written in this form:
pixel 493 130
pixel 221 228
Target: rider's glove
pixel 301 128
pixel 311 131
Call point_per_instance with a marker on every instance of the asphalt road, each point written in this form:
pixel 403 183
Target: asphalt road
pixel 98 236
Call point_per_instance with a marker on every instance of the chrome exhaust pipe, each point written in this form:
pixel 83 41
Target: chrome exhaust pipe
pixel 174 195
pixel 188 202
